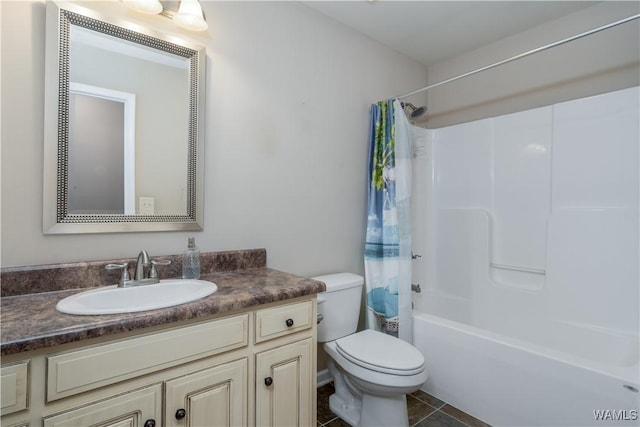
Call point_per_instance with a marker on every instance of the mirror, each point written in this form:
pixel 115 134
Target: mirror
pixel 123 126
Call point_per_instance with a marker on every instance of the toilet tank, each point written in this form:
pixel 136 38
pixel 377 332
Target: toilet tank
pixel 339 305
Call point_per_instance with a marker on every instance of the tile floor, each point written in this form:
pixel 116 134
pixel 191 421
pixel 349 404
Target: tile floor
pixel 424 411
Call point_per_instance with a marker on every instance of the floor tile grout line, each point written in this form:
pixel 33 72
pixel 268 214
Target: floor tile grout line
pixel 443 413
pixel 437 410
pixel 454 417
pixel 330 421
pixel 421 420
pixel 427 403
pixel 459 420
pixel 445 404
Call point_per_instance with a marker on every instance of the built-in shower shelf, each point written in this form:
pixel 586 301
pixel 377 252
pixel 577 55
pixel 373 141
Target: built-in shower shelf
pixel 527 278
pixel 518 268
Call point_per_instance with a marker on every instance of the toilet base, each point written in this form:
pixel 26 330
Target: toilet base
pixel 384 411
pixel 348 410
pixel 371 411
pixel 363 409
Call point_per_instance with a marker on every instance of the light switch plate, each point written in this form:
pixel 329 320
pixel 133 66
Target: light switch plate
pixel 146 206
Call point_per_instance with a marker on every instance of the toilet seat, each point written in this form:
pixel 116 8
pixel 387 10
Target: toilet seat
pixel 380 352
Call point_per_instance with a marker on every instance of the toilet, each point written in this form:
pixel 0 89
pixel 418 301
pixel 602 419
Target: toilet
pixel 372 371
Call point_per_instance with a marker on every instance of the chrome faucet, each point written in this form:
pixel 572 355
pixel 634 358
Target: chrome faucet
pixel 139 277
pixel 142 262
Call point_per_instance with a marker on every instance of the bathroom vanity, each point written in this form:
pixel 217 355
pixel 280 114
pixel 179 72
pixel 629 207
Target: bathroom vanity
pixel 244 356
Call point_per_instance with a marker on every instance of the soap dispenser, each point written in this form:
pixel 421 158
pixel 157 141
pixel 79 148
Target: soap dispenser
pixel 191 261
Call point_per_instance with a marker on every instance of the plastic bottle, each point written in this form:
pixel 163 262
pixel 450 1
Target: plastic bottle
pixel 191 261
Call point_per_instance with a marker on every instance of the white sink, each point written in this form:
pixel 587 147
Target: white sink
pixel 113 300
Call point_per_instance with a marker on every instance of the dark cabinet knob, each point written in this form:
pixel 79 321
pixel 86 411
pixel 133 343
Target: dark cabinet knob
pixel 268 381
pixel 289 322
pixel 180 414
pixel 150 423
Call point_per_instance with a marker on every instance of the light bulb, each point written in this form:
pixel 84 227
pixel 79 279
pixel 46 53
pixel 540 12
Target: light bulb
pixel 190 16
pixel 150 7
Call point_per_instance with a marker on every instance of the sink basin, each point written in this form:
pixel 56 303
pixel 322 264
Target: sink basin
pixel 113 300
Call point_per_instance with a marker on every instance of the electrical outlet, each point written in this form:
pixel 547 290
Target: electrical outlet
pixel 146 206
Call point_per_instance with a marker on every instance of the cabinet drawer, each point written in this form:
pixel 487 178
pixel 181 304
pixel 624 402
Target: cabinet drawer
pixel 15 384
pixel 129 409
pixel 282 320
pixel 82 370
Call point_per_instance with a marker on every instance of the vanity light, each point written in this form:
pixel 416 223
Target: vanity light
pixel 150 7
pixel 190 16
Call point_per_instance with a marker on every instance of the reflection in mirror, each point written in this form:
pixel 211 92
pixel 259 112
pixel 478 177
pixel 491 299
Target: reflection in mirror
pixel 98 151
pixel 159 82
pixel 127 139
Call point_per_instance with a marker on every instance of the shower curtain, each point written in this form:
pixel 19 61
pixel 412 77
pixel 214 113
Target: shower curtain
pixel 387 256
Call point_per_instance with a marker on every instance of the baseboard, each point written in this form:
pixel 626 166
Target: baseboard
pixel 324 377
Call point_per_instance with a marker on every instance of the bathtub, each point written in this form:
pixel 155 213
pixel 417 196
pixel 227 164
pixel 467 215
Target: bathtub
pixel 526 371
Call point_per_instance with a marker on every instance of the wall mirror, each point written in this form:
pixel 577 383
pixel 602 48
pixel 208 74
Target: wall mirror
pixel 123 126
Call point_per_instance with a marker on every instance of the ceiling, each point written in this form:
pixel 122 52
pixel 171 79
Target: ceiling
pixel 434 31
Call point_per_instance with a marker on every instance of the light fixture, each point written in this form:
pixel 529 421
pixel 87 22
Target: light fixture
pixel 150 7
pixel 190 17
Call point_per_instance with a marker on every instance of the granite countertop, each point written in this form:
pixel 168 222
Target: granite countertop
pixel 31 321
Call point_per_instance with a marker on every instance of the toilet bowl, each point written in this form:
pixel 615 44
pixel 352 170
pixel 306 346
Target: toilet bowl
pixel 372 371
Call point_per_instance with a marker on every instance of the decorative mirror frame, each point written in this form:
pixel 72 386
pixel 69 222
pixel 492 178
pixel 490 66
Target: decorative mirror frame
pixel 56 217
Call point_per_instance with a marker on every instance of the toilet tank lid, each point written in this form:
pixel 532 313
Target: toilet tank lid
pixel 339 281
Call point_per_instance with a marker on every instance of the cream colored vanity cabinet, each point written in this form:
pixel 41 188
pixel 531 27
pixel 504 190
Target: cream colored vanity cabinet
pixel 207 373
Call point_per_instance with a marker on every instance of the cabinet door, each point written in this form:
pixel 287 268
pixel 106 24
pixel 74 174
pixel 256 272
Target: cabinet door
pixel 140 408
pixel 215 396
pixel 14 379
pixel 284 393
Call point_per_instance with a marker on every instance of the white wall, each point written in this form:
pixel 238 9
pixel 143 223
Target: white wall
pixel 288 93
pixel 599 63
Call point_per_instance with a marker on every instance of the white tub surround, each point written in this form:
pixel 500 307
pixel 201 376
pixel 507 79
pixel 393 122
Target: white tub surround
pixel 529 227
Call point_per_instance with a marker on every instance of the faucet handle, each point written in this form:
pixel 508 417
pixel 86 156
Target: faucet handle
pixel 153 273
pixel 125 270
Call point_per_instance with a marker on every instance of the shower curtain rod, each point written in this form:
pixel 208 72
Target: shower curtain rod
pixel 522 55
